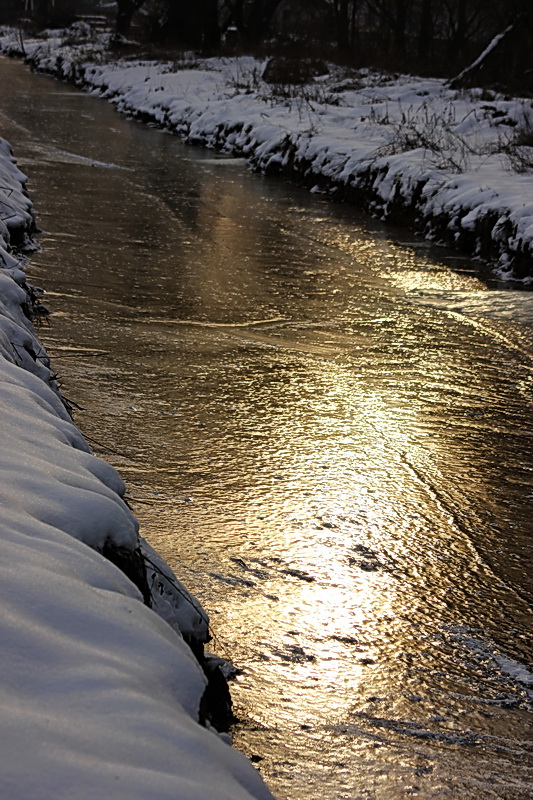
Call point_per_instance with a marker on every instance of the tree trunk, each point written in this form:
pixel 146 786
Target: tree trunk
pixel 210 26
pixel 461 31
pixel 399 23
pixel 125 11
pixel 236 16
pixel 342 25
pixel 464 77
pixel 353 30
pixel 425 34
pixel 42 8
pixel 258 20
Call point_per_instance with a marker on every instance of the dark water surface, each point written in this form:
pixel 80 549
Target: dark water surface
pixel 328 433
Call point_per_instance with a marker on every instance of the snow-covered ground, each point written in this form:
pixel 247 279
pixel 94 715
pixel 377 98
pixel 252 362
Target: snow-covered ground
pixel 457 165
pixel 100 694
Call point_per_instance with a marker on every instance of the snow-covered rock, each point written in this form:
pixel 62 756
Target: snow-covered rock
pixel 100 694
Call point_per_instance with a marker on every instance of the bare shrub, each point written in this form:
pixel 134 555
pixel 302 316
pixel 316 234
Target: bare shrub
pixel 516 143
pixel 519 147
pixel 285 70
pixel 429 130
pixel 291 95
pixel 246 80
pixel 296 96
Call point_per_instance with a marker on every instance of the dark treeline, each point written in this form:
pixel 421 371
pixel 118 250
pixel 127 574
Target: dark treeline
pixel 440 37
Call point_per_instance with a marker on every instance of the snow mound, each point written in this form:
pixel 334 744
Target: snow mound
pixel 100 694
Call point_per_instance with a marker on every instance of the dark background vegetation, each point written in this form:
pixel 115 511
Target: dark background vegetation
pixel 438 37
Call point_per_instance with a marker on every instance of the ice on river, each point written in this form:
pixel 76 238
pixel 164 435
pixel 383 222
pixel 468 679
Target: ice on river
pixel 99 694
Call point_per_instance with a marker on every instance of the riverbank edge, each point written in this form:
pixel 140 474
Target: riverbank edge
pixel 385 187
pixel 111 537
pixel 136 564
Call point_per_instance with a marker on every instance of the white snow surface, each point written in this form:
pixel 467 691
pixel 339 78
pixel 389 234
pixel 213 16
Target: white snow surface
pixel 99 694
pixel 457 160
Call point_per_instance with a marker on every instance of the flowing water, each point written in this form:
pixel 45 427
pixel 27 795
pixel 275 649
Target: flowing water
pixel 326 428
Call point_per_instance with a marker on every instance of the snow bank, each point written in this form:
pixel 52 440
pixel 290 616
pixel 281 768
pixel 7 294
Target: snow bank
pixel 100 696
pixel 457 166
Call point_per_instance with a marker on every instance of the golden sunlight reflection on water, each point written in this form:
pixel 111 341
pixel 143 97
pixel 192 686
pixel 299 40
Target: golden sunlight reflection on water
pixel 325 430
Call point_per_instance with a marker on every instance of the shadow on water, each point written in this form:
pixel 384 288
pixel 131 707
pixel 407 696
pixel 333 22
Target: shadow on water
pixel 325 427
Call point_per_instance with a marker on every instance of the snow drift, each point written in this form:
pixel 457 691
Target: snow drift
pixel 100 694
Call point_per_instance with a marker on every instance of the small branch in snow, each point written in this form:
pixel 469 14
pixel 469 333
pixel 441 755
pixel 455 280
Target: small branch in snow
pixel 21 39
pixel 105 446
pixel 186 596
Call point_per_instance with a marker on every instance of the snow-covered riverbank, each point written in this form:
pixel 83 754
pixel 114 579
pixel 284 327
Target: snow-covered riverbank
pixel 455 165
pixel 101 695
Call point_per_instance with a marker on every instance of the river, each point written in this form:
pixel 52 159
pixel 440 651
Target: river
pixel 325 425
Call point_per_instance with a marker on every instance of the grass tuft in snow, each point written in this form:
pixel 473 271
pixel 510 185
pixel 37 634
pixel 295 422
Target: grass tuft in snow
pixel 430 130
pixel 519 148
pixel 285 91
